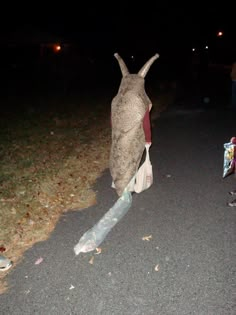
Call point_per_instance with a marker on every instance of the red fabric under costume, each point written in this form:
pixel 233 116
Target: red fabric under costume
pixel 147 127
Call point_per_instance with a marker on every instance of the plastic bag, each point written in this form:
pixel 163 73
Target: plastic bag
pixel 5 263
pixel 95 236
pixel 144 176
pixel 229 157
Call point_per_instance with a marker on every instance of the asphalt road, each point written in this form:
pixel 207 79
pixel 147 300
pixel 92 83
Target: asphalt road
pixel 188 263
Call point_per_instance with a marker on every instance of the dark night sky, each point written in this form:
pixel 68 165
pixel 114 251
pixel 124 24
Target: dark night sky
pixel 100 26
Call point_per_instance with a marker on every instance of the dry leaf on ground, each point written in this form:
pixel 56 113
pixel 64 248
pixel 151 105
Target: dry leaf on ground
pixel 147 238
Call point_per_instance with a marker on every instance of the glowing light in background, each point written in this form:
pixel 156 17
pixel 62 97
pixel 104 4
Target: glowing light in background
pixel 220 34
pixel 56 48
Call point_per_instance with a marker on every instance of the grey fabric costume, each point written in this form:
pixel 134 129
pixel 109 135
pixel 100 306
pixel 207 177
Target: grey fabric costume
pixel 128 108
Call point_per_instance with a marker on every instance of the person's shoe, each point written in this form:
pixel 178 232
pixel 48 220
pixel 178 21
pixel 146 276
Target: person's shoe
pixel 232 203
pixel 233 192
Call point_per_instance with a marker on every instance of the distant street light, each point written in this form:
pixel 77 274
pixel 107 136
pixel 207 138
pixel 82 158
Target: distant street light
pixel 220 34
pixel 56 48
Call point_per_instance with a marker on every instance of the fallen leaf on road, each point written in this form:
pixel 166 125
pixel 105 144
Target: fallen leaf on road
pixel 38 261
pixel 71 287
pixel 156 268
pixel 99 250
pixel 91 260
pixel 147 238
